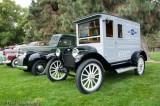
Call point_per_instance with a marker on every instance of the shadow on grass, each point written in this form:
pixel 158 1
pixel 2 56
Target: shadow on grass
pixel 109 78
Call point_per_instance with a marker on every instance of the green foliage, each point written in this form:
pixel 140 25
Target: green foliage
pixel 49 17
pixel 11 23
pixel 144 12
pixel 153 40
pixel 43 20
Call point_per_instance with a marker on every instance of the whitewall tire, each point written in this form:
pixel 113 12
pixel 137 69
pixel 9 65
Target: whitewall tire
pixel 140 66
pixel 89 76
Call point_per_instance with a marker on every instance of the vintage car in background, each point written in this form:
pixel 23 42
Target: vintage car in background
pixel 9 47
pixel 1 52
pixel 104 42
pixel 35 58
pixel 9 55
pixel 1 55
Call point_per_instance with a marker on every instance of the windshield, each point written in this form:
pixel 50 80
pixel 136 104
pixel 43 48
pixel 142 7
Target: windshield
pixel 89 31
pixel 65 41
pixel 54 41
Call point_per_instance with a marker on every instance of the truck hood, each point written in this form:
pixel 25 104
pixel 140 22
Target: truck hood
pixel 37 48
pixel 10 51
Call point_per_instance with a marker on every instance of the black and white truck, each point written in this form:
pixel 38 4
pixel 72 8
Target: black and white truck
pixel 104 43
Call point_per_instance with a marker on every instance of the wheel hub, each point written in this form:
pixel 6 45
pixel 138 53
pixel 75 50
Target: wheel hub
pixel 16 62
pixel 91 77
pixel 40 68
pixel 57 70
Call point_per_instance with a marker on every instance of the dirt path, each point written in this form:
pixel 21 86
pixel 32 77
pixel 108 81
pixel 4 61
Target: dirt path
pixel 153 61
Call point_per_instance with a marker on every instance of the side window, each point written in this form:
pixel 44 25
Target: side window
pixel 65 41
pixel 109 28
pixel 89 32
pixel 120 34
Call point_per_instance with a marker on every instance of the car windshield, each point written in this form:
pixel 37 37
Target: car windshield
pixel 89 32
pixel 54 41
pixel 32 44
pixel 65 41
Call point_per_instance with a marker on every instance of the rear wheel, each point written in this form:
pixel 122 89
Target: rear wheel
pixel 89 76
pixel 38 67
pixel 55 70
pixel 14 62
pixel 140 66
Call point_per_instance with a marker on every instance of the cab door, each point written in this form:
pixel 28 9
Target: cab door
pixel 120 51
pixel 110 41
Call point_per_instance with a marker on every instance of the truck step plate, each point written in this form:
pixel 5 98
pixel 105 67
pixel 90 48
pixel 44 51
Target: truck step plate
pixel 121 70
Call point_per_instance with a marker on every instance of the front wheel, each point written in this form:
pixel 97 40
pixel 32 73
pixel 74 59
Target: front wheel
pixel 89 76
pixel 140 66
pixel 14 62
pixel 38 67
pixel 55 70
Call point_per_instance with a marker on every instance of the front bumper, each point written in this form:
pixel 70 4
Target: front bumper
pixel 1 62
pixel 4 60
pixel 22 67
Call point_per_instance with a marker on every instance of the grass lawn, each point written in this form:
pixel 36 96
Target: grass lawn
pixel 124 89
pixel 155 56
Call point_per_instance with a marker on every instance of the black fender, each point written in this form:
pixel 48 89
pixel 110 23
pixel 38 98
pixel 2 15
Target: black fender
pixel 34 57
pixel 136 54
pixel 93 55
pixel 50 56
pixel 37 56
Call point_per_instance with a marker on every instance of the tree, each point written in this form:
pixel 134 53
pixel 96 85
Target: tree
pixel 43 20
pixel 11 15
pixel 70 10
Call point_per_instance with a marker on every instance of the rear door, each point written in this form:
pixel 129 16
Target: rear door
pixel 127 40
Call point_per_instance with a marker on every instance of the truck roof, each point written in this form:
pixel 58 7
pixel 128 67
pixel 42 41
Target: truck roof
pixel 66 34
pixel 97 15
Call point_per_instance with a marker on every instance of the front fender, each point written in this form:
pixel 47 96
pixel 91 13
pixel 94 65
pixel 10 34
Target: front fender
pixel 34 57
pixel 11 56
pixel 51 55
pixel 93 55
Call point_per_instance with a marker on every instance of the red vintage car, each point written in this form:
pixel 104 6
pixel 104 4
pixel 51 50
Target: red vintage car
pixel 9 55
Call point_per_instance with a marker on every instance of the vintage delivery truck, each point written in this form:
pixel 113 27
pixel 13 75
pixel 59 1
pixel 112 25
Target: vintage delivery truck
pixel 104 42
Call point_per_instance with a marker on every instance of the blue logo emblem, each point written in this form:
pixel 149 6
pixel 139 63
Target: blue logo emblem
pixel 132 32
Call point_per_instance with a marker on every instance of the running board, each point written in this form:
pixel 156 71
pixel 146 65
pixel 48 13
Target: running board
pixel 121 70
pixel 71 75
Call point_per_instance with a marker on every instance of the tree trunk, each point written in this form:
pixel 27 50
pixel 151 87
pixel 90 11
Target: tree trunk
pixel 145 47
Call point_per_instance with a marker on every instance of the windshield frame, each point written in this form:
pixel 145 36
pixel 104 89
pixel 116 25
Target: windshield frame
pixel 91 36
pixel 88 22
pixel 56 38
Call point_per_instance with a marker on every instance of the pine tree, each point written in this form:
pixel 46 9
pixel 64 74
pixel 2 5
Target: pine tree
pixel 42 20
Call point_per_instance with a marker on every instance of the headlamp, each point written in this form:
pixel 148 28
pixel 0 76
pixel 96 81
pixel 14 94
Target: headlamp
pixel 75 52
pixel 58 52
